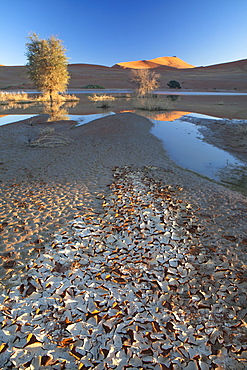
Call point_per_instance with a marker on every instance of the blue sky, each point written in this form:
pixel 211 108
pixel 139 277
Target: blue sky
pixel 201 32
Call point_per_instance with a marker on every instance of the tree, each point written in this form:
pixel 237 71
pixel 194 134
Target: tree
pixel 47 64
pixel 145 80
pixel 174 84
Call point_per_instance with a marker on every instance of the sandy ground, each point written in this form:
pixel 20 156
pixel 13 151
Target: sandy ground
pixel 228 136
pixel 53 172
pixel 44 186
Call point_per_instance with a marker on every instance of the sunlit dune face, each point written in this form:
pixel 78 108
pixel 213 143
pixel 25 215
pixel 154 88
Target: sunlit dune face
pixel 139 64
pixel 173 62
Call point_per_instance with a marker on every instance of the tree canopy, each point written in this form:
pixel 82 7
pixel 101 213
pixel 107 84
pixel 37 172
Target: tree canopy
pixel 47 64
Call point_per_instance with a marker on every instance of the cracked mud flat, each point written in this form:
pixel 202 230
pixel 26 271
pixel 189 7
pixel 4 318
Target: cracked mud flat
pixel 133 287
pixel 155 278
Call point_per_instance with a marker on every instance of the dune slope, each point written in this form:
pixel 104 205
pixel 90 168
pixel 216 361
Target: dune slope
pixel 225 76
pixel 173 62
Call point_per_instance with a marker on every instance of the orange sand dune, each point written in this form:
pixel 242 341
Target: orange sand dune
pixel 173 62
pixel 138 64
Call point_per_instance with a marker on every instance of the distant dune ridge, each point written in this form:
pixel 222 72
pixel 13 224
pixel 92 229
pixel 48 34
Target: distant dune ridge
pixel 173 62
pixel 231 76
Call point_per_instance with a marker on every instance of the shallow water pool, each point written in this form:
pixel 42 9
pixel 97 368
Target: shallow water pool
pixel 11 118
pixel 184 144
pixel 86 118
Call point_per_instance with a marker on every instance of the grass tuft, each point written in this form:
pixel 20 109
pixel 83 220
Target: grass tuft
pixel 22 97
pixel 16 97
pixel 101 97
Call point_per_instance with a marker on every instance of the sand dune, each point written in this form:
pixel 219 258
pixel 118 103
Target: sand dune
pixel 138 64
pixel 173 62
pixel 226 76
pixel 229 66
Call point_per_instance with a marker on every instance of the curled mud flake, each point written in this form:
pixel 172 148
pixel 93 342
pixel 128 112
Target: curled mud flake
pixel 32 342
pixel 47 360
pixel 3 347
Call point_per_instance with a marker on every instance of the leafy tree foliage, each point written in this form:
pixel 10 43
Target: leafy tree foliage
pixel 47 64
pixel 174 84
pixel 145 80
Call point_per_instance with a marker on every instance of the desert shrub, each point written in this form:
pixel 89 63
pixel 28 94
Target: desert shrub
pixel 67 97
pixel 92 87
pixel 7 87
pixel 152 103
pixel 56 97
pixel 174 84
pixel 13 96
pixel 24 98
pixel 145 80
pixel 101 97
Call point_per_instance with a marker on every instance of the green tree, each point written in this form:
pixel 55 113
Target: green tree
pixel 145 80
pixel 47 65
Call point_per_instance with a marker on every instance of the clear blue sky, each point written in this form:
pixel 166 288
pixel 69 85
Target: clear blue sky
pixel 201 32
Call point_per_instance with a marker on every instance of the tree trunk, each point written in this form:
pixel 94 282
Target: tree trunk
pixel 51 96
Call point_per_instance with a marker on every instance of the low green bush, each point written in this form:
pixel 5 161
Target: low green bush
pixel 92 87
pixel 174 84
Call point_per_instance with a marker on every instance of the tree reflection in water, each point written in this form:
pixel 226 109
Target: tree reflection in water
pixel 58 110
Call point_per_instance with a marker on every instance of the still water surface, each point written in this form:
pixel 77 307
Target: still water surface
pixel 186 147
pixel 181 139
pixel 161 92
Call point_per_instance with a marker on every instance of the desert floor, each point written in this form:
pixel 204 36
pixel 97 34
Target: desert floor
pixel 224 77
pixel 112 255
